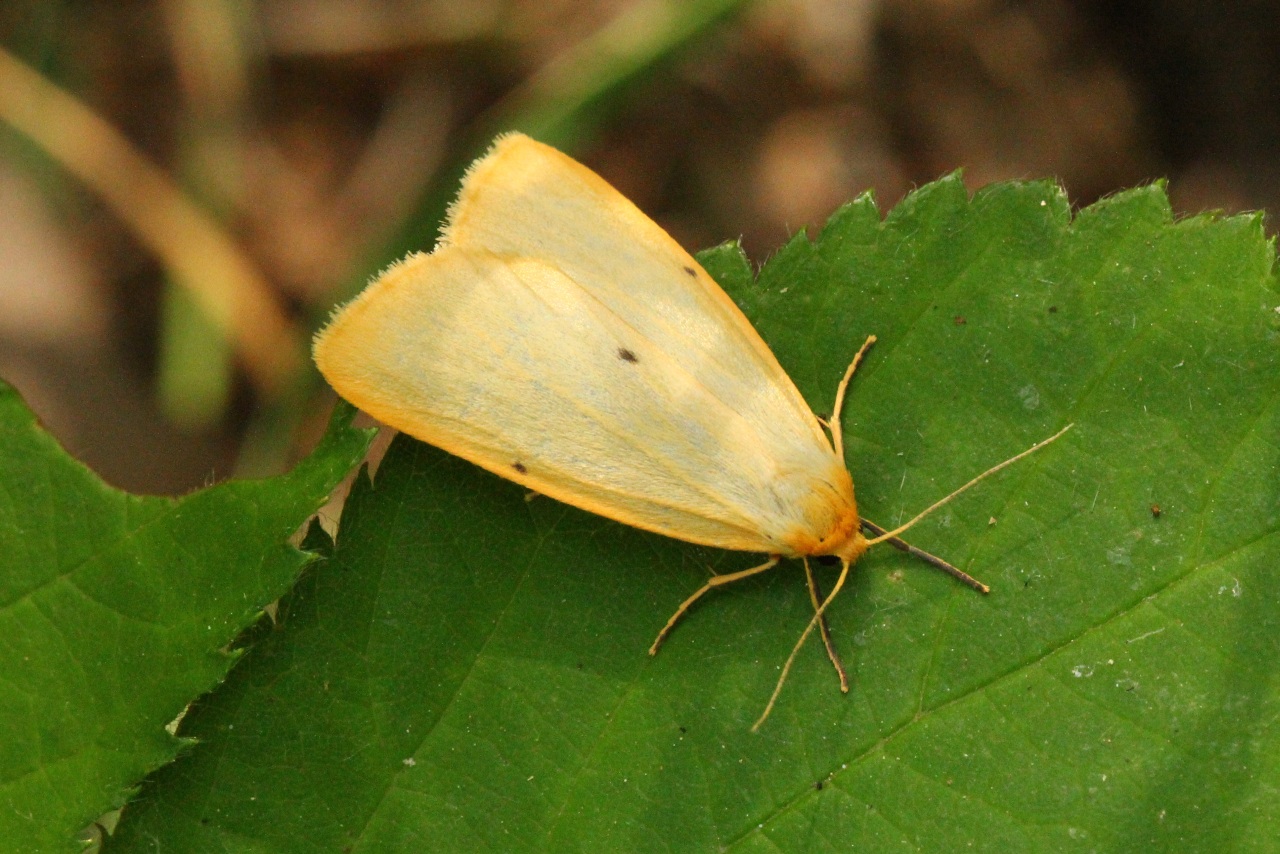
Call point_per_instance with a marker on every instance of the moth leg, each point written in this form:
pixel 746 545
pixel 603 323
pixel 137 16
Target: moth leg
pixel 815 596
pixel 795 650
pixel 714 582
pixel 933 560
pixel 837 432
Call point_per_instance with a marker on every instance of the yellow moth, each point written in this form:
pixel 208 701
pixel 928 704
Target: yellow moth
pixel 561 339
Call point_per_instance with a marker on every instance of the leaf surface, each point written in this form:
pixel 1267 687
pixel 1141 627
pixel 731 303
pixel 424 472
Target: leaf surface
pixel 116 611
pixel 468 670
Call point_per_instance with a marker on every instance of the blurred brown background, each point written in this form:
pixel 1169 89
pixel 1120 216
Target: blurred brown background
pixel 224 170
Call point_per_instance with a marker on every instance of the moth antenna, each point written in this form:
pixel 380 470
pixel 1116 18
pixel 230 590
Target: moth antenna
pixel 884 537
pixel 935 505
pixel 808 630
pixel 933 560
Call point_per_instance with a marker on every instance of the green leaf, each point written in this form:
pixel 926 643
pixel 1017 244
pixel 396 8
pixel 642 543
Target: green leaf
pixel 116 611
pixel 468 670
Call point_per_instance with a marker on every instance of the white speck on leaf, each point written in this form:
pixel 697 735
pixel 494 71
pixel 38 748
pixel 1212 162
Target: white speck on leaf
pixel 1119 555
pixel 1235 588
pixel 1147 635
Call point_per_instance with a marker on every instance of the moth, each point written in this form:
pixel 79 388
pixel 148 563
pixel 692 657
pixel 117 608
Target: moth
pixel 559 338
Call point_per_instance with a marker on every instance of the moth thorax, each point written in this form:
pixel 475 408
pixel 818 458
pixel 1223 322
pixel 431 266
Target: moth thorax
pixel 844 538
pixel 832 523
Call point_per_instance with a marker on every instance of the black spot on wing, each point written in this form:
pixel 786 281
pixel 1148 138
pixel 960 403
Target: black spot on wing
pixel 692 272
pixel 520 467
pixel 626 355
